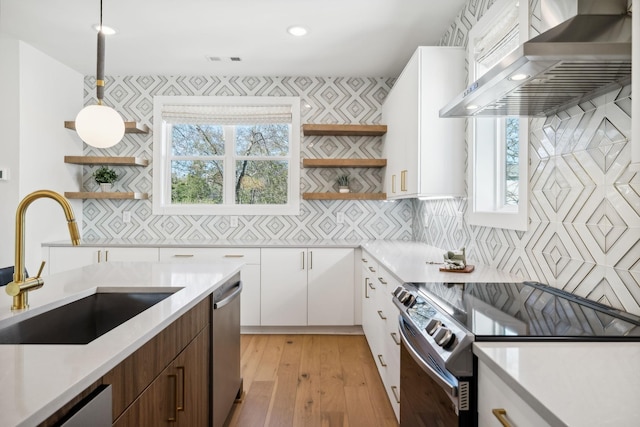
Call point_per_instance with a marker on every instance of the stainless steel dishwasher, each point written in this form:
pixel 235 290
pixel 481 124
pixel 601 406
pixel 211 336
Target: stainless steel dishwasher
pixel 225 349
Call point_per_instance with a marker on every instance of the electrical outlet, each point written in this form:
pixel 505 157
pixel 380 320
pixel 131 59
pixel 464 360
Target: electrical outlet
pixel 340 217
pixel 126 216
pixel 233 221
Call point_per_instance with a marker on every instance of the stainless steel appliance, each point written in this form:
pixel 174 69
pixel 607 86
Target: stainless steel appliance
pixel 94 410
pixel 225 349
pixel 440 321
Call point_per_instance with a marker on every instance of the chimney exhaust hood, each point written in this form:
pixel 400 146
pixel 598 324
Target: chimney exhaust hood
pixel 582 57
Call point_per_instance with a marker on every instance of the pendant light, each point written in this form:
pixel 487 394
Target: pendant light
pixel 98 125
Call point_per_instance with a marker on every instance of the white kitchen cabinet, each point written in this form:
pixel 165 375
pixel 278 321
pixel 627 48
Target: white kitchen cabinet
pixel 65 258
pixel 307 286
pixel 425 153
pixel 250 273
pixel 495 394
pixel 380 325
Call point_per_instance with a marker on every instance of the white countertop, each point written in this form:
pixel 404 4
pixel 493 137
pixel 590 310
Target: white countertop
pixel 418 262
pixel 36 380
pixel 211 243
pixel 573 384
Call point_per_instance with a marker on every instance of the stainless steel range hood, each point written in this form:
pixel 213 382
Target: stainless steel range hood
pixel 585 56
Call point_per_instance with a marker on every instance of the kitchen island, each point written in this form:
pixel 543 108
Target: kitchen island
pixel 37 380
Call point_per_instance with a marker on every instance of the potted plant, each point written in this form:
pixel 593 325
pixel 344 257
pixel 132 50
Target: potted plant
pixel 343 183
pixel 105 176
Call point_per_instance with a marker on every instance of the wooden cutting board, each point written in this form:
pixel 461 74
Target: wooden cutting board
pixel 467 269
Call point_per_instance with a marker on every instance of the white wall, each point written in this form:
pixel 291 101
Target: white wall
pixel 45 94
pixel 9 153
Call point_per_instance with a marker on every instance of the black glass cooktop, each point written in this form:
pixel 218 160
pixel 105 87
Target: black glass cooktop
pixel 508 311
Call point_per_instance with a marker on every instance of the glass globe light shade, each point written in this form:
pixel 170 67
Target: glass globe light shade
pixel 99 126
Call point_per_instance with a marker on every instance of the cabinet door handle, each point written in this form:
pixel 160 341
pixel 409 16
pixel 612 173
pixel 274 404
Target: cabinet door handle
pixel 106 256
pixel 99 256
pixel 395 338
pixel 501 415
pixel 403 180
pixel 310 260
pixel 394 390
pixel 233 256
pixel 381 314
pixel 371 269
pixel 393 184
pixel 366 292
pixel 381 360
pixel 183 255
pixel 381 280
pixel 180 407
pixel 173 399
pixel 302 260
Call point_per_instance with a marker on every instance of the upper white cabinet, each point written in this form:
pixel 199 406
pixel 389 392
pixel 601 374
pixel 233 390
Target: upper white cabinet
pixel 307 286
pixel 425 153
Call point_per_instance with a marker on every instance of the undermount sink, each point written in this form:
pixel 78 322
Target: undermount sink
pixel 81 321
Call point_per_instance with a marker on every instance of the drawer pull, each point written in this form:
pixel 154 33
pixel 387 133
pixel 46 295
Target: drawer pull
pixel 381 315
pixel 183 256
pixel 394 390
pixel 501 415
pixel 371 269
pixel 234 256
pixel 173 405
pixel 364 260
pixel 381 360
pixel 180 407
pixel 395 338
pixel 371 285
pixel 381 280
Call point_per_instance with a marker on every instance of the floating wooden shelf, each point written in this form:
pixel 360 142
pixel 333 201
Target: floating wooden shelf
pixel 106 195
pixel 348 130
pixel 129 127
pixel 344 163
pixel 100 160
pixel 344 196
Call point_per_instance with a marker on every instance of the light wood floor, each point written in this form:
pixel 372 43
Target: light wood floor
pixel 310 380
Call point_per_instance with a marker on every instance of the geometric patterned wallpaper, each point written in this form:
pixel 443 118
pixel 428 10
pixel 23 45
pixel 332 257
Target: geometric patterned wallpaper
pixel 584 203
pixel 323 100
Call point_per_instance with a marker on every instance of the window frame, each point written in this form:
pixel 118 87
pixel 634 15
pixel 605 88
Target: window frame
pixel 492 172
pixel 161 200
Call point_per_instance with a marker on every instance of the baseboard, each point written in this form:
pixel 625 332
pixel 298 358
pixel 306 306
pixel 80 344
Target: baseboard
pixel 323 330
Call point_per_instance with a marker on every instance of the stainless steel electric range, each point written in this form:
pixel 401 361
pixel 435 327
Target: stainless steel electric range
pixel 440 321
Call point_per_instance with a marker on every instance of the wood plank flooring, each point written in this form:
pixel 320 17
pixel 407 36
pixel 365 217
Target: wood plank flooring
pixel 310 381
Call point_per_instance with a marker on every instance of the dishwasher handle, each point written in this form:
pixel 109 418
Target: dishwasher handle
pixel 235 291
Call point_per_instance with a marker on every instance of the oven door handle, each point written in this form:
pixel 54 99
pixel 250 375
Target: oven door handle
pixel 450 389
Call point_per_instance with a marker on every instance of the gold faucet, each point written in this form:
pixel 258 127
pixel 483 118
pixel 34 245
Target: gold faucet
pixel 20 286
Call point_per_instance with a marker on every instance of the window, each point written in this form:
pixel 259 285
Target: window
pixel 226 155
pixel 498 154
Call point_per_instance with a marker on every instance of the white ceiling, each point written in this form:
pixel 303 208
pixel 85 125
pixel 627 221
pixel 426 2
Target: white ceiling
pixel 367 38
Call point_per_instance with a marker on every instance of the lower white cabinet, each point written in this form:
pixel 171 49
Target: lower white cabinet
pixel 250 273
pixel 495 394
pixel 65 258
pixel 307 286
pixel 380 325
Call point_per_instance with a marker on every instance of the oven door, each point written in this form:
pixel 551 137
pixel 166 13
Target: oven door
pixel 429 395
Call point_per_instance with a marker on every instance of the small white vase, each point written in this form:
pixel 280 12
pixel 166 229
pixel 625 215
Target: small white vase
pixel 105 187
pixel 344 189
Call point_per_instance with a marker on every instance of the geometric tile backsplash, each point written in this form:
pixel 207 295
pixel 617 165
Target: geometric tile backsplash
pixel 323 100
pixel 584 203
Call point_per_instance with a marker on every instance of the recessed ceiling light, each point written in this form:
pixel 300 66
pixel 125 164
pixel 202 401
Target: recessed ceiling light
pixel 471 107
pixel 518 77
pixel 297 31
pixel 108 31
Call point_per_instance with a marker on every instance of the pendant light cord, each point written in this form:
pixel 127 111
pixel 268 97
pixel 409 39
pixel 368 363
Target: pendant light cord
pixel 100 62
